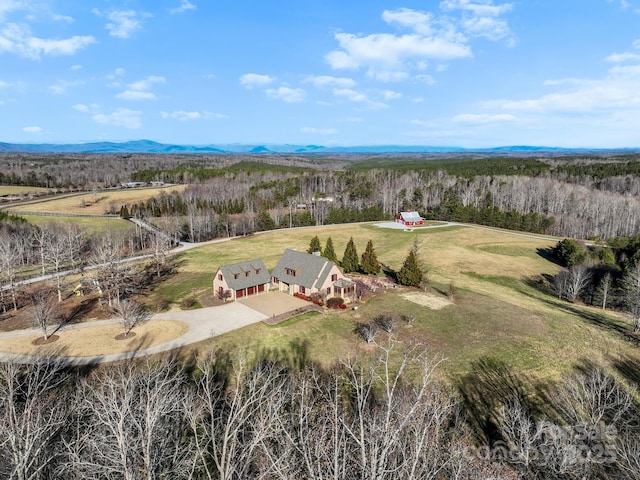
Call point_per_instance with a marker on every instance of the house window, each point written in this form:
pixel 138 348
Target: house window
pixel 302 289
pixel 328 290
pixel 220 276
pixel 257 270
pixel 290 271
pixel 334 277
pixel 275 280
pixel 246 274
pixel 235 276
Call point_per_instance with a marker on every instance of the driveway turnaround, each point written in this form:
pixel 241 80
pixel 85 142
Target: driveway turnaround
pixel 202 323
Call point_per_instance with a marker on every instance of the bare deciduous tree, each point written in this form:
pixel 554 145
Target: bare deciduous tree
pixel 131 423
pixel 235 424
pixel 42 311
pixel 130 314
pixel 32 415
pixel 631 295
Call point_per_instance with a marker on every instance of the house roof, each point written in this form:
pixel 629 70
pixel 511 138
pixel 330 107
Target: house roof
pixel 410 216
pixel 245 274
pixel 311 271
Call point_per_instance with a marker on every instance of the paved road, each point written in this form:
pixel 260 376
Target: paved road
pixel 202 323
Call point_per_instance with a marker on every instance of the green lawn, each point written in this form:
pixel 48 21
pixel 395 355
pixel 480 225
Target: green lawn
pixel 499 314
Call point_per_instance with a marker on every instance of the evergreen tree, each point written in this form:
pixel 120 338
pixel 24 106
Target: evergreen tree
pixel 350 258
pixel 314 245
pixel 410 274
pixel 264 221
pixel 370 264
pixel 329 252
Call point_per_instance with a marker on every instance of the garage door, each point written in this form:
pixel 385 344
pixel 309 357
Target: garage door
pixel 240 293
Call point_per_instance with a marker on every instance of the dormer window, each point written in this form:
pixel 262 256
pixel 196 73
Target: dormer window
pixel 290 271
pixel 246 274
pixel 235 276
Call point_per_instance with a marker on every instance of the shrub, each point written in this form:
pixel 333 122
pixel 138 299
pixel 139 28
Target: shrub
pixel 385 322
pixel 335 302
pixel 366 330
pixel 189 302
pixel 408 318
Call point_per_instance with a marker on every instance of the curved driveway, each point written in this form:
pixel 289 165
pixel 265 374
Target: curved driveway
pixel 202 323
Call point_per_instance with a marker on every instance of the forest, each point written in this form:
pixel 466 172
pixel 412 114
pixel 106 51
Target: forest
pixel 277 415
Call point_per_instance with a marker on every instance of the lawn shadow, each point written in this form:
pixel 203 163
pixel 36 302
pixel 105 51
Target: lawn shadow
pixel 547 254
pixel 295 355
pixel 490 384
pixel 594 318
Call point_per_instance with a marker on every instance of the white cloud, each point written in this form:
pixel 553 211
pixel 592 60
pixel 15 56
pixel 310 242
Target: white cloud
pixel 136 95
pixel 391 95
pixel 140 89
pixel 8 5
pixel 619 89
pixel 391 57
pixel 184 6
pixel 358 97
pixel 33 129
pixel 183 115
pixel 428 79
pixel 255 80
pixel 287 94
pixel 16 38
pixel 480 19
pixel 62 86
pixel 319 131
pixel 122 117
pixel 483 118
pixel 75 68
pixel 62 18
pixel 325 81
pixel 481 8
pixel 123 23
pixel 623 57
pixel 387 75
pixel 417 99
pixel 81 107
pixel 353 120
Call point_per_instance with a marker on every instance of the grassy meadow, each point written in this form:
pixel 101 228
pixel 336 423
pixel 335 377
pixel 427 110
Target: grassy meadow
pixel 96 203
pixel 498 312
pixel 20 189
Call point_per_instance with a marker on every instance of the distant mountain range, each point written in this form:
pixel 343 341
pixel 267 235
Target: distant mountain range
pixel 148 146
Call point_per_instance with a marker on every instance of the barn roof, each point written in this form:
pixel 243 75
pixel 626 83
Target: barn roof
pixel 410 216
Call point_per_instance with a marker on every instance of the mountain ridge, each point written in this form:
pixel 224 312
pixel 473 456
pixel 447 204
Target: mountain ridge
pixel 149 146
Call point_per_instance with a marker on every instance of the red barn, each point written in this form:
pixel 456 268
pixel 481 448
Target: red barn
pixel 410 219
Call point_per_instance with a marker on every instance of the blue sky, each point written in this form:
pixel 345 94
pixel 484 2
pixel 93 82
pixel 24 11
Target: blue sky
pixel 469 73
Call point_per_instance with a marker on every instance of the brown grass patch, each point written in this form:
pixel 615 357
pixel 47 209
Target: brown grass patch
pixel 96 203
pixel 430 300
pixel 98 340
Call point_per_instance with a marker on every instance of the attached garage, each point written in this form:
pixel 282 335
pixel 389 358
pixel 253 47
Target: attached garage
pixel 240 280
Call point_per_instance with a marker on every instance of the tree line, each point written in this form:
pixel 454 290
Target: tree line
pixel 385 416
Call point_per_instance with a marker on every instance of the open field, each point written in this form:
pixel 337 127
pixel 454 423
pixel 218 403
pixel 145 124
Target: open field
pixel 96 203
pixel 97 340
pixel 498 312
pixel 20 189
pixel 89 224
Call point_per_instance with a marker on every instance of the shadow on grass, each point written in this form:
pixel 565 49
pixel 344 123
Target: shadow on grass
pixel 547 254
pixel 490 384
pixel 594 318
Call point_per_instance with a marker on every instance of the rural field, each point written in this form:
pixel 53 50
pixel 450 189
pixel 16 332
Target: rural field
pixel 95 203
pixel 498 313
pixel 20 189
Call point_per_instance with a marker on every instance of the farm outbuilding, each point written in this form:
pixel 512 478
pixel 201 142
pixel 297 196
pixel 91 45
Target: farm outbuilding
pixel 410 219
